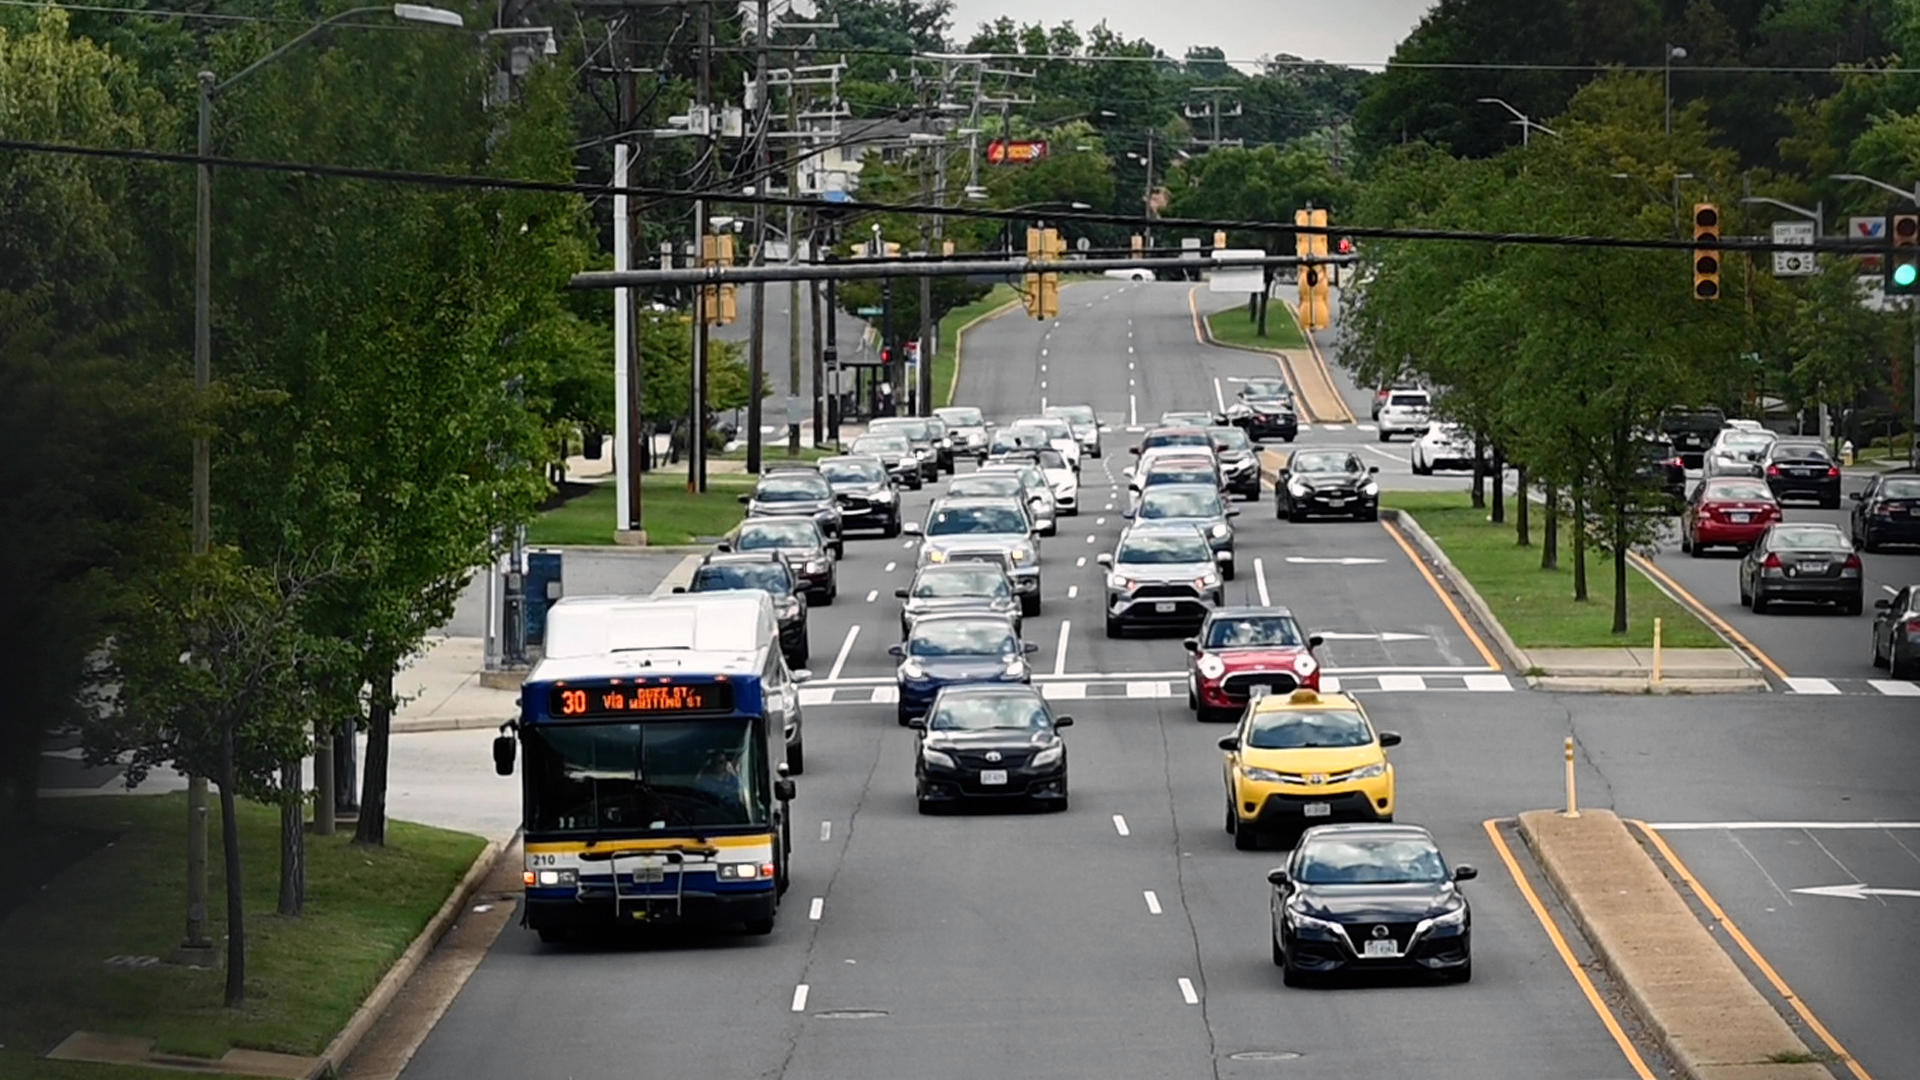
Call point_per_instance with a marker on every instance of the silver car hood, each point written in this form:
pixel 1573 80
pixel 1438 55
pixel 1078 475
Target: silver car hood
pixel 1182 572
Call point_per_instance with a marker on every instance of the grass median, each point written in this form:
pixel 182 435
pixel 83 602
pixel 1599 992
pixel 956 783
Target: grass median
pixel 1233 327
pixel 1536 606
pixel 948 355
pixel 77 954
pixel 672 515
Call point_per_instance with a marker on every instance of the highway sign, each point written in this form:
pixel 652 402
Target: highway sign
pixel 1868 228
pixel 1794 263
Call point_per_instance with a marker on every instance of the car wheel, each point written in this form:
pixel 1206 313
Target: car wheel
pixel 1279 509
pixel 1852 606
pixel 892 529
pixel 1071 511
pixel 1030 605
pixel 1245 839
pixel 1193 699
pixel 1760 602
pixel 1385 437
pixel 1233 819
pixel 1901 669
pixel 1279 954
pixel 1114 629
pixel 797 758
pixel 840 549
pixel 1297 516
pixel 1868 544
pixel 1286 438
pixel 1693 547
pixel 1226 572
pixel 1746 598
pixel 916 482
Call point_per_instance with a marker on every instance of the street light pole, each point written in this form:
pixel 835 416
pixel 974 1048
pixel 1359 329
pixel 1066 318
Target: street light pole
pixel 1526 122
pixel 1674 52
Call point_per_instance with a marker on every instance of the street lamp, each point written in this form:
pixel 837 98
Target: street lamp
pixel 1526 122
pixel 1674 52
pixel 1913 315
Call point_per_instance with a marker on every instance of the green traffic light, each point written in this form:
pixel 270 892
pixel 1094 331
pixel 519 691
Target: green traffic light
pixel 1905 274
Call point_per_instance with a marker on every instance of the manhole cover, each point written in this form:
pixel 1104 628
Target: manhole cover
pixel 851 1014
pixel 1263 1055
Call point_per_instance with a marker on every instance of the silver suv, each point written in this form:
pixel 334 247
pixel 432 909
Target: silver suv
pixel 1161 576
pixel 957 529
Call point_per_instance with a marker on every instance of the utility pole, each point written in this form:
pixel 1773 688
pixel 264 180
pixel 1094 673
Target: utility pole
pixel 632 447
pixel 1213 112
pixel 819 355
pixel 793 258
pixel 697 421
pixel 757 349
pixel 1146 198
pixel 830 354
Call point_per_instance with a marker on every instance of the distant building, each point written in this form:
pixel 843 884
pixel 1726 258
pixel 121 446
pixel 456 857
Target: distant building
pixel 837 166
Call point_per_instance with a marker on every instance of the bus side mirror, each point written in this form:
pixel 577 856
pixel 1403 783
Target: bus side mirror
pixel 503 755
pixel 783 790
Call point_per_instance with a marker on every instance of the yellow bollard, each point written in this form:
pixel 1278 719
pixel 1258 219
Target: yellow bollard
pixel 1656 652
pixel 1573 810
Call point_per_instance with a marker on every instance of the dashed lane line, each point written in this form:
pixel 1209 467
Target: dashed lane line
pixel 1153 903
pixel 1120 825
pixel 1187 992
pixel 813 909
pixel 1260 581
pixel 1060 649
pixel 800 998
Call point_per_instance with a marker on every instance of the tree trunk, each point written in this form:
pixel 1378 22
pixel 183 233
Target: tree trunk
pixel 293 841
pixel 1620 568
pixel 1479 479
pixel 1521 504
pixel 1550 531
pixel 1499 486
pixel 19 776
pixel 345 743
pixel 230 852
pixel 323 784
pixel 1579 544
pixel 372 827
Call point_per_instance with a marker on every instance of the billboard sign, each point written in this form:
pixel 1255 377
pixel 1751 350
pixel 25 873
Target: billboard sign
pixel 1868 228
pixel 1006 152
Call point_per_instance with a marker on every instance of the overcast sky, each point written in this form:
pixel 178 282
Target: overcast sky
pixel 1353 31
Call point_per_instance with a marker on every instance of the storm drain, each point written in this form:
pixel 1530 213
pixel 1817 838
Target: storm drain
pixel 850 1014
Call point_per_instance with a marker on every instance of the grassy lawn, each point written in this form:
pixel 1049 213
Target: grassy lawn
pixel 672 516
pixel 946 358
pixel 1536 606
pixel 306 976
pixel 1232 327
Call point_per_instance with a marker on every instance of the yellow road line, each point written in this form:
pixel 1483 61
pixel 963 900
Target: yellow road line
pixel 1706 613
pixel 1439 591
pixel 1579 973
pixel 1753 954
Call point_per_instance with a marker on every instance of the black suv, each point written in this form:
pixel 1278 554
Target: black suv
pixel 800 491
pixel 1691 431
pixel 1888 511
pixel 866 493
pixel 1799 469
pixel 769 572
pixel 1660 467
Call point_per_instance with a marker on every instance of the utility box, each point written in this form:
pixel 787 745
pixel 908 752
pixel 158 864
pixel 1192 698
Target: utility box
pixel 542 588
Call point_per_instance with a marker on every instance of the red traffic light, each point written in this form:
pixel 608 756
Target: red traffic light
pixel 1905 230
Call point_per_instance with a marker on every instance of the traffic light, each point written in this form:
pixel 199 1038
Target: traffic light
pixel 1706 261
pixel 1305 274
pixel 1902 271
pixel 1052 247
pixel 1030 286
pixel 1138 245
pixel 717 302
pixel 1323 273
pixel 1219 239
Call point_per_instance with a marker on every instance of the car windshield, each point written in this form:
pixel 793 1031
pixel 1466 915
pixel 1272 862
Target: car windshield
pixel 1175 438
pixel 1017 438
pixel 767 576
pixel 989 712
pixel 1075 414
pixel 1050 459
pixel 1180 503
pixel 1325 463
pixel 1165 548
pixel 1197 418
pixel 1900 489
pixel 1412 401
pixel 1307 729
pixel 912 428
pixel 1253 632
pixel 1265 389
pixel 962 637
pixel 1809 538
pixel 959 416
pixel 1053 429
pixel 958 520
pixel 792 487
pixel 653 775
pixel 1744 440
pixel 890 445
pixel 854 472
pixel 762 533
pixel 1452 433
pixel 1178 474
pixel 947 583
pixel 1739 489
pixel 1398 860
pixel 989 484
pixel 1230 438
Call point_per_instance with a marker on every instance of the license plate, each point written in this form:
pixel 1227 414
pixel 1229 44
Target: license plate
pixel 1318 809
pixel 1813 568
pixel 1740 519
pixel 650 870
pixel 1801 472
pixel 1385 947
pixel 993 776
pixel 1336 502
pixel 1165 608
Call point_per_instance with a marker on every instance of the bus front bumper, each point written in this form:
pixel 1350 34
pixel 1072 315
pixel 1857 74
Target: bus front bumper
pixel 562 909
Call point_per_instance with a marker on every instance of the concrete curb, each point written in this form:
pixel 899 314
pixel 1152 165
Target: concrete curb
pixel 1405 522
pixel 1740 646
pixel 1701 1007
pixel 452 723
pixel 368 1014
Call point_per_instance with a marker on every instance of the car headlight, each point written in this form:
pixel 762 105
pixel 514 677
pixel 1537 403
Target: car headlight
pixel 1303 921
pixel 884 496
pixel 816 566
pixel 1016 668
pixel 1297 488
pixel 1211 667
pixel 912 668
pixel 939 759
pixel 1369 772
pixel 1264 776
pixel 936 555
pixel 1221 532
pixel 1210 581
pixel 1369 488
pixel 1453 916
pixel 1119 581
pixel 1050 756
pixel 1021 555
pixel 1304 665
pixel 790 606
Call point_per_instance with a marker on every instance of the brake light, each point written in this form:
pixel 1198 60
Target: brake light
pixel 1852 563
pixel 1676 463
pixel 1773 470
pixel 1833 471
pixel 1771 562
pixel 1913 626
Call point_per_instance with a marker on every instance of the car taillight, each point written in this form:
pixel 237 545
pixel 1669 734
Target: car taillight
pixel 1833 471
pixel 1852 563
pixel 1771 562
pixel 1773 470
pixel 1676 463
pixel 1913 626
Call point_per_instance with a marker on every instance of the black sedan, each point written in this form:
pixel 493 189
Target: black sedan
pixel 1896 633
pixel 866 494
pixel 801 541
pixel 1264 408
pixel 1808 562
pixel 1328 483
pixel 1370 898
pixel 1887 512
pixel 981 743
pixel 1801 470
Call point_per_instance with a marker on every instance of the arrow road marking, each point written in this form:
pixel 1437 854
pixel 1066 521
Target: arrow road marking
pixel 1343 561
pixel 1856 891
pixel 1384 635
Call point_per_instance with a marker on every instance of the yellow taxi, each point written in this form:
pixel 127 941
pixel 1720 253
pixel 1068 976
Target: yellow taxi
pixel 1305 758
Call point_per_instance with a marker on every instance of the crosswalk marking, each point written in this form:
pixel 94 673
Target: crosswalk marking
pixel 1812 686
pixel 1895 687
pixel 1402 682
pixel 1489 682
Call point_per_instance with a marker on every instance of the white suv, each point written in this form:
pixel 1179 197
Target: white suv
pixel 1406 412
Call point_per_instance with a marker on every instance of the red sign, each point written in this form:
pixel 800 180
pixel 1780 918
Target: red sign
pixel 1002 152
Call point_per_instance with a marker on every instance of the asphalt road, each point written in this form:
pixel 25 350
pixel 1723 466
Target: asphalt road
pixel 777 338
pixel 1126 937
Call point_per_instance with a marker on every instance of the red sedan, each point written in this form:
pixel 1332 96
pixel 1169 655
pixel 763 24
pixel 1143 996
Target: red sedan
pixel 1730 511
pixel 1241 648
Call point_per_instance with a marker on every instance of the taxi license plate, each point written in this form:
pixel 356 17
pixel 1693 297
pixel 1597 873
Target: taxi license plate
pixel 1386 947
pixel 1318 809
pixel 1164 608
pixel 1739 519
pixel 993 776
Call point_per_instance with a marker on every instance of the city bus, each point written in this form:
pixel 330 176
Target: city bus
pixel 654 786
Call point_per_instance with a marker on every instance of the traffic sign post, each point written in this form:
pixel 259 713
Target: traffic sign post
pixel 1794 263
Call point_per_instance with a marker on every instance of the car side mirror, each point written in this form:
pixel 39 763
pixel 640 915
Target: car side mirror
pixel 1233 513
pixel 1278 876
pixel 1854 495
pixel 1229 743
pixel 918 723
pixel 503 755
pixel 901 593
pixel 1389 738
pixel 723 546
pixel 783 790
pixel 1882 605
pixel 679 589
pixel 1465 873
pixel 1030 648
pixel 896 651
pixel 800 675
pixel 1134 450
pixel 1372 469
pixel 1316 641
pixel 911 528
pixel 1192 645
pixel 1103 559
pixel 1062 721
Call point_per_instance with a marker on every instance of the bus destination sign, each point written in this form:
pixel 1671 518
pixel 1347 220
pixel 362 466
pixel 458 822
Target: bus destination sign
pixel 567 702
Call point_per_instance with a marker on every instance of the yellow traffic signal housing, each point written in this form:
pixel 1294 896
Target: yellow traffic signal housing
pixel 1901 273
pixel 1322 313
pixel 946 248
pixel 1052 247
pixel 1030 284
pixel 1219 239
pixel 1138 244
pixel 1706 261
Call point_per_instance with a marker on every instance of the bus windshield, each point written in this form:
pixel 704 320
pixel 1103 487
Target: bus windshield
pixel 658 775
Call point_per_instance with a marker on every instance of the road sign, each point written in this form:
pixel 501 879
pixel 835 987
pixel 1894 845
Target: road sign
pixel 1082 244
pixel 1229 278
pixel 866 312
pixel 1868 228
pixel 1794 263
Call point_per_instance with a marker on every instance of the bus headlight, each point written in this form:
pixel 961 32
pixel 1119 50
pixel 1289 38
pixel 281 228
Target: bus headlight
pixel 745 871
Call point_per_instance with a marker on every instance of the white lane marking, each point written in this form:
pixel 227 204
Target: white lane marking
pixel 1149 689
pixel 1109 506
pixel 873 595
pixel 1187 991
pixel 1133 409
pixel 1390 683
pixel 1260 581
pixel 813 909
pixel 1219 398
pixel 1064 691
pixel 889 568
pixel 1129 350
pixel 908 544
pixel 1395 458
pixel 800 998
pixel 1043 398
pixel 1333 427
pixel 1153 903
pixel 1073 591
pixel 1891 589
pixel 1120 825
pixel 846 647
pixel 1081 561
pixel 1330 684
pixel 1043 386
pixel 1043 369
pixel 1129 363
pixel 826 831
pixel 1043 352
pixel 1099 521
pixel 1091 539
pixel 1702 826
pixel 1811 686
pixel 1060 649
pixel 1895 687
